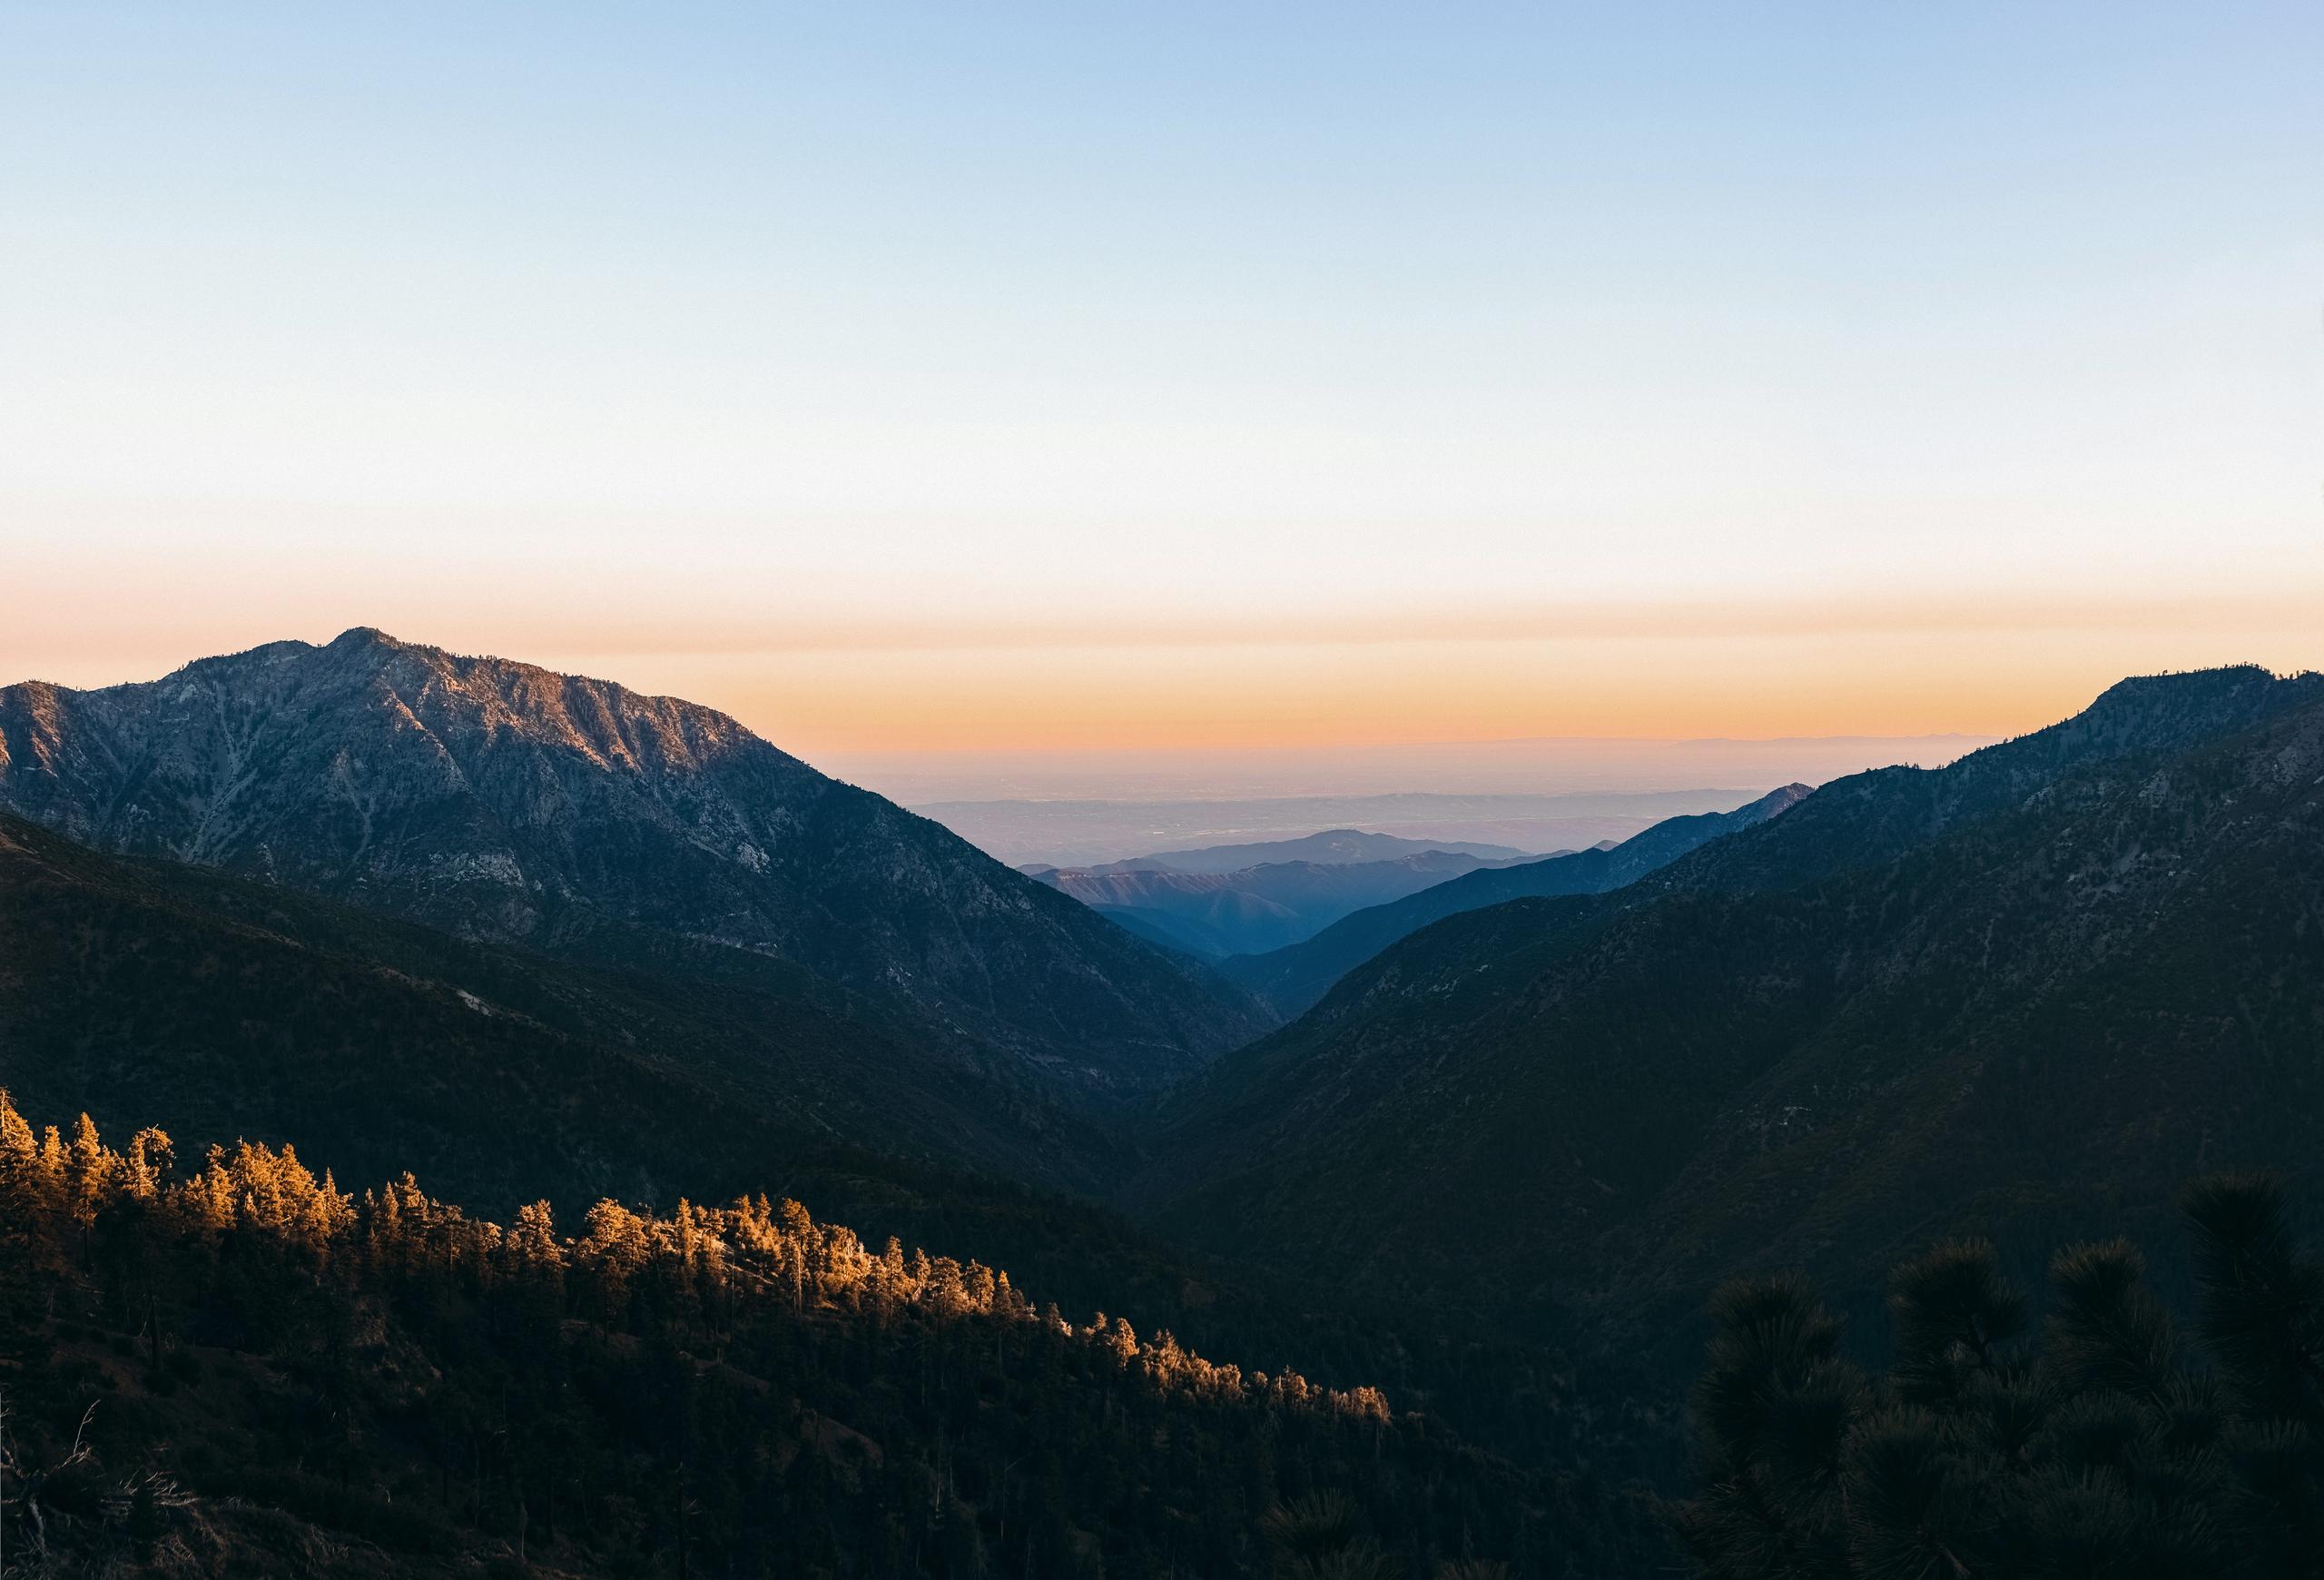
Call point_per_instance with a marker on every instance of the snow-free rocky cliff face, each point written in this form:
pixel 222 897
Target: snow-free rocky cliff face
pixel 506 802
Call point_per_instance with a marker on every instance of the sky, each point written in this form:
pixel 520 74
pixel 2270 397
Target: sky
pixel 927 379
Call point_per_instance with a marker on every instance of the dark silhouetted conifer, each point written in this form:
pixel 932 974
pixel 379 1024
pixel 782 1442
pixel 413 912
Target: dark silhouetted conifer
pixel 2101 1451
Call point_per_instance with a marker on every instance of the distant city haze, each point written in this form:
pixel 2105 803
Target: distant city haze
pixel 1541 766
pixel 1077 808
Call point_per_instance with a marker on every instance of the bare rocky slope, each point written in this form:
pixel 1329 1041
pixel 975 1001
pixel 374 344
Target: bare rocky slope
pixel 504 803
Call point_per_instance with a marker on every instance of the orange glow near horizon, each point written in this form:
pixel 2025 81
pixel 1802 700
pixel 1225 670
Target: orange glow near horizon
pixel 831 662
pixel 831 679
pixel 1392 694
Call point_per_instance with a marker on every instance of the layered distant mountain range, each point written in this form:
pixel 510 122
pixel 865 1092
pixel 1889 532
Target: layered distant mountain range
pixel 1331 847
pixel 1291 977
pixel 1213 913
pixel 1048 831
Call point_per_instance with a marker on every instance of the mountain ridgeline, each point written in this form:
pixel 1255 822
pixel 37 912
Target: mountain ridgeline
pixel 504 803
pixel 2048 982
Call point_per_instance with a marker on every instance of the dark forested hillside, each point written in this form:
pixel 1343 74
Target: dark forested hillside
pixel 506 803
pixel 1291 979
pixel 242 1008
pixel 237 1369
pixel 246 1009
pixel 2051 980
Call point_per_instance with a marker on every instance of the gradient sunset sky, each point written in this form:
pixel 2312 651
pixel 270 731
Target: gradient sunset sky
pixel 906 378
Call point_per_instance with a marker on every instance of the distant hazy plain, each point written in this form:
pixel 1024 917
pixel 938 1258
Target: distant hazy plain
pixel 1074 808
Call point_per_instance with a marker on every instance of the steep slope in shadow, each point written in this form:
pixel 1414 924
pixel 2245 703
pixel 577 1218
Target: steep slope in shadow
pixel 2066 973
pixel 134 986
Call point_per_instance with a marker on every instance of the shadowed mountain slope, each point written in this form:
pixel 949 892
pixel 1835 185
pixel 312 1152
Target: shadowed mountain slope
pixel 248 1009
pixel 131 986
pixel 503 802
pixel 121 992
pixel 2048 982
pixel 1291 980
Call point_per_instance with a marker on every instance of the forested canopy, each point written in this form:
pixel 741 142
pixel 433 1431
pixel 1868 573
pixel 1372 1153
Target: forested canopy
pixel 235 1367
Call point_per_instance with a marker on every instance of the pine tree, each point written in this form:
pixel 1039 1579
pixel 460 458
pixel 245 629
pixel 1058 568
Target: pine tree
pixel 2100 1452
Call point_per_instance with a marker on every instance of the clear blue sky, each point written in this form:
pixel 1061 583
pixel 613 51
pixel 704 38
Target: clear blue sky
pixel 791 335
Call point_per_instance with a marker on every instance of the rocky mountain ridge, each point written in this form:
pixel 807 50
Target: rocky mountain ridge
pixel 504 802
